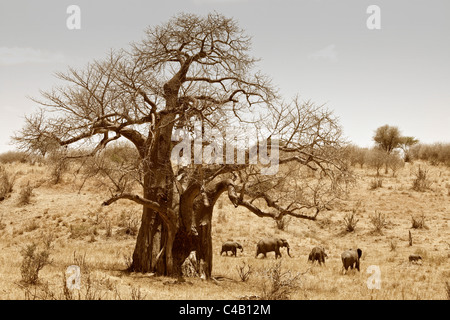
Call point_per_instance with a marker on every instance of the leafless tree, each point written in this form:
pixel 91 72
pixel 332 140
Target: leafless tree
pixel 190 69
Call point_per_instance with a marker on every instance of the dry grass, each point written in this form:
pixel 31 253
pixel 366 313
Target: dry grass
pixel 101 242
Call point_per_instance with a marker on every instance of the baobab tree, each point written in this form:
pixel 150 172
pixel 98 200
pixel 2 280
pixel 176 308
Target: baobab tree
pixel 192 69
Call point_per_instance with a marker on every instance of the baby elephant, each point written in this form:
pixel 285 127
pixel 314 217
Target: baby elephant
pixel 231 246
pixel 350 258
pixel 414 258
pixel 318 254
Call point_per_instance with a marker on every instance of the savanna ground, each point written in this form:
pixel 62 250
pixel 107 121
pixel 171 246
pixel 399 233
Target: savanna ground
pixel 101 240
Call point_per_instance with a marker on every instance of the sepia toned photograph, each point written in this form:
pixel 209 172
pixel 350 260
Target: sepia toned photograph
pixel 225 155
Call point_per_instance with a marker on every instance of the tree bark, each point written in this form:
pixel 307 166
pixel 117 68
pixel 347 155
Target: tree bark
pixel 155 239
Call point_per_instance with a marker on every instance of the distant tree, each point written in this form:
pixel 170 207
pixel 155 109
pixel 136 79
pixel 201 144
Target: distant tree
pixel 376 158
pixel 405 144
pixel 356 155
pixel 387 138
pixel 394 162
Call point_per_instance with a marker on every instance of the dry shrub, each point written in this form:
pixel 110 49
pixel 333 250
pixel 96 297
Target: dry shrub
pixel 355 155
pixel 280 285
pixel 80 261
pixel 59 165
pixel 25 194
pixel 422 181
pixel 394 162
pixel 283 223
pixel 435 154
pixel 6 183
pixel 128 259
pixel 90 290
pixel 31 226
pixel 378 221
pixel 14 156
pixel 376 158
pixel 81 230
pixel 419 223
pixel 136 293
pixel 350 221
pixel 244 271
pixel 376 183
pixel 33 262
pixel 129 222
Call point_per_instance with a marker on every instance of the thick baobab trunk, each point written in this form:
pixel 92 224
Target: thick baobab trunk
pixel 204 244
pixel 203 208
pixel 153 250
pixel 146 256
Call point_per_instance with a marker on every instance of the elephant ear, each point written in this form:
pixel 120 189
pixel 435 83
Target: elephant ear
pixel 359 253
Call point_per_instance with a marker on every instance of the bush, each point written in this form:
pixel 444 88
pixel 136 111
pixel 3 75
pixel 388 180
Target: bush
pixel 356 155
pixel 376 183
pixel 244 271
pixel 13 156
pixel 25 194
pixel 6 183
pixel 280 284
pixel 59 165
pixel 130 222
pixel 376 159
pixel 394 162
pixel 82 230
pixel 378 221
pixel 435 154
pixel 350 221
pixel 283 223
pixel 422 181
pixel 33 262
pixel 419 223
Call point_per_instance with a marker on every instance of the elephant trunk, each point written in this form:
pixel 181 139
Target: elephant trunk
pixel 287 249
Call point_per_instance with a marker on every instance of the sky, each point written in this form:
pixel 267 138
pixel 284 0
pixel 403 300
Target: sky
pixel 321 50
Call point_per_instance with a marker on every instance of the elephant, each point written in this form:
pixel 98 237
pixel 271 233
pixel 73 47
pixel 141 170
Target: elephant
pixel 317 254
pixel 231 246
pixel 271 244
pixel 350 258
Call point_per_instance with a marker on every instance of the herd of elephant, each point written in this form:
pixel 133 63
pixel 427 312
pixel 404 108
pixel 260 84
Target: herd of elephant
pixel 350 258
